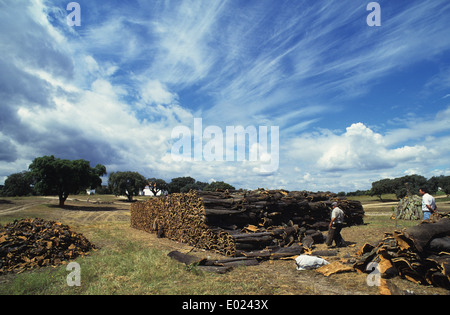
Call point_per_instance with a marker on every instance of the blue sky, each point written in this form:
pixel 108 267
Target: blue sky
pixel 353 103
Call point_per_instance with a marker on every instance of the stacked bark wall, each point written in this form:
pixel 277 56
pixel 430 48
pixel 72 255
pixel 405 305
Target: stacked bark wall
pixel 235 223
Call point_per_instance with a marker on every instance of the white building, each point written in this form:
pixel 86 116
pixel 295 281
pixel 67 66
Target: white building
pixel 148 192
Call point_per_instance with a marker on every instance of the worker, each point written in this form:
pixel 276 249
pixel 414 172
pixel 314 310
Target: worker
pixel 335 227
pixel 428 203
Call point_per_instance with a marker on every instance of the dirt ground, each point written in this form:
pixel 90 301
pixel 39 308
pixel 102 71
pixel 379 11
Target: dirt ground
pixel 79 210
pixel 281 275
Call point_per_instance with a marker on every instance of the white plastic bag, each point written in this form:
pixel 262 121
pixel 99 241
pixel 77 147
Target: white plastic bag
pixel 306 262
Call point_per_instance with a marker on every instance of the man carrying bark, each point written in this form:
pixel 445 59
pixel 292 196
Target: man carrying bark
pixel 335 227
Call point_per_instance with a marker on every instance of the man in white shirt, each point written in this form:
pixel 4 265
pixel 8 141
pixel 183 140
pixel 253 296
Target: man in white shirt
pixel 335 227
pixel 428 203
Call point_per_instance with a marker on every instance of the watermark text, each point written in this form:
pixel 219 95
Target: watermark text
pixel 236 144
pixel 74 17
pixel 74 278
pixel 374 18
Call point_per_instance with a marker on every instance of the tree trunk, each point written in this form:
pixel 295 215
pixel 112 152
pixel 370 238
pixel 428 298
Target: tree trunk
pixel 62 199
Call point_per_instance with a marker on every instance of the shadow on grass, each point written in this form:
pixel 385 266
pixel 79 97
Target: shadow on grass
pixel 85 208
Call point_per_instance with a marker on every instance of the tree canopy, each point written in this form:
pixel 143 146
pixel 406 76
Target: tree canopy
pixel 156 185
pixel 63 177
pixel 185 184
pixel 18 184
pixel 218 185
pixel 177 184
pixel 442 182
pixel 127 184
pixel 380 187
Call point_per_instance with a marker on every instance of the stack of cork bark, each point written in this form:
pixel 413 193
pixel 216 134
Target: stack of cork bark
pixel 409 208
pixel 420 253
pixel 239 222
pixel 32 243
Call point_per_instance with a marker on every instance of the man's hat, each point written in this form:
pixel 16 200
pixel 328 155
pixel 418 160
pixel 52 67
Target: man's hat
pixel 334 204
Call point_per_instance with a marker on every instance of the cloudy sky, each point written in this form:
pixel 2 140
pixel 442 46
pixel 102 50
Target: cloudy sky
pixel 353 103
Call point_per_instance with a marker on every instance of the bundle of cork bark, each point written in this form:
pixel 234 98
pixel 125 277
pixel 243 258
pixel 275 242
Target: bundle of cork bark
pixel 409 208
pixel 240 222
pixel 420 253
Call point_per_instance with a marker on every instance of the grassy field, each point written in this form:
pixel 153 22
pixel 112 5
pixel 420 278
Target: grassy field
pixel 129 261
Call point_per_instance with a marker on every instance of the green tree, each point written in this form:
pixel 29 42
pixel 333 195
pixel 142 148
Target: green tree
pixel 63 177
pixel 18 184
pixel 102 190
pixel 195 186
pixel 400 186
pixel 409 183
pixel 433 183
pixel 177 184
pixel 127 184
pixel 384 186
pixel 156 185
pixel 444 184
pixel 214 186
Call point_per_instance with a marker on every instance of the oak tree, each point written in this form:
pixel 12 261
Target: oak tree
pixel 63 177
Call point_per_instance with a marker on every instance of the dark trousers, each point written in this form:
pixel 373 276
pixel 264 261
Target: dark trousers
pixel 334 234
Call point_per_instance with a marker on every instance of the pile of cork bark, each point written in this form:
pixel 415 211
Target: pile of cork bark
pixel 31 243
pixel 243 223
pixel 409 208
pixel 420 254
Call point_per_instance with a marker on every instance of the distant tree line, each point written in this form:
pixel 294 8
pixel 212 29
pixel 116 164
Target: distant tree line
pixel 401 186
pixel 131 183
pixel 410 185
pixel 53 176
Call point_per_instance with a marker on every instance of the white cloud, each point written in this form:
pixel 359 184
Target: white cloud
pixel 353 159
pixel 357 149
pixel 154 92
pixel 98 117
pixel 91 64
pixel 183 54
